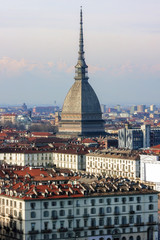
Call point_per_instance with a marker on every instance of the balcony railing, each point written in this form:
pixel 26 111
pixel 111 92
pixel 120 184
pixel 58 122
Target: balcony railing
pixel 151 223
pixel 46 231
pixel 109 226
pixel 93 227
pixel 62 229
pixel 33 232
pixel 116 213
pixel 139 224
pixel 124 225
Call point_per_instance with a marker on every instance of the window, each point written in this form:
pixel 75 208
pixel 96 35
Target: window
pixel 45 225
pixel 108 209
pixel 46 214
pixel 123 208
pixel 78 211
pixel 77 223
pixel 116 199
pixel 46 236
pixel 116 220
pixel 108 200
pixel 85 222
pixel 138 199
pixel 54 236
pixel 93 222
pixel 101 211
pixel 131 219
pixel 77 203
pixel 33 226
pixel 151 198
pixel 93 210
pixel 150 219
pixel 138 219
pixel 33 205
pixel 138 238
pixel 33 214
pixel 138 207
pixel 92 202
pixel 70 223
pixel 54 203
pixel 54 214
pixel 54 225
pixel 116 210
pixel 45 204
pixel 20 205
pixel 124 220
pixel 62 213
pixel 101 200
pixel 101 222
pixel 69 202
pixel 130 238
pixel 150 207
pixel 15 204
pixel 85 202
pixel 123 200
pixel 131 199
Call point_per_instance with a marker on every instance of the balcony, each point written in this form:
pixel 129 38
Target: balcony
pixel 93 227
pixel 109 226
pixel 78 229
pixel 124 225
pixel 132 212
pixel 139 224
pixel 151 223
pixel 46 231
pixel 70 216
pixel 33 232
pixel 62 229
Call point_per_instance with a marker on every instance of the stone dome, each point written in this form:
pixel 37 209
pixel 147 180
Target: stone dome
pixel 81 99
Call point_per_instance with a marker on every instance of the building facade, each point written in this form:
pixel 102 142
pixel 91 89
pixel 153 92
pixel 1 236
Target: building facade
pixel 135 138
pixel 73 212
pixel 112 164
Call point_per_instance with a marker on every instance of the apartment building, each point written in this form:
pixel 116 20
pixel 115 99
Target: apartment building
pixel 114 163
pixel 110 210
pixel 26 156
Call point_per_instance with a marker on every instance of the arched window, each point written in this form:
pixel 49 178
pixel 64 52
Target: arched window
pixel 131 238
pixel 93 210
pixel 101 211
pixel 124 238
pixel 46 214
pixel 138 238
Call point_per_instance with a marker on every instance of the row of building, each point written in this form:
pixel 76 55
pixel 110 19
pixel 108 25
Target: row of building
pixel 110 208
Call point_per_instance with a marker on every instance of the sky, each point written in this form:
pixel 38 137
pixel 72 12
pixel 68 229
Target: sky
pixel 39 49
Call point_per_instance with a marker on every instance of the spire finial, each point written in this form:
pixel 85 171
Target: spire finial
pixel 81 67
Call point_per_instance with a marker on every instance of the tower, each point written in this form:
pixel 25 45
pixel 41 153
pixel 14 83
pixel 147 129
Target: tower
pixel 81 113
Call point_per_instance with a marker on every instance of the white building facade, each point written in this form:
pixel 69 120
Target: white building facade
pixel 113 165
pixel 108 217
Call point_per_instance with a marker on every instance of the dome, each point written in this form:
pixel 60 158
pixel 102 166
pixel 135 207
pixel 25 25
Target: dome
pixel 81 99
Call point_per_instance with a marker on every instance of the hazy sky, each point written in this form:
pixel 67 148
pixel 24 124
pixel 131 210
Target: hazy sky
pixel 39 45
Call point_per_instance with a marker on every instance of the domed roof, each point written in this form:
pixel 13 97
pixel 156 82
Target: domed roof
pixel 80 99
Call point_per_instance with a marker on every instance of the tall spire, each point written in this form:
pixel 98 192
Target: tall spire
pixel 81 69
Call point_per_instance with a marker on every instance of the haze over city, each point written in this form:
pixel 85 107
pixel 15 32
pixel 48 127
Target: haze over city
pixel 39 49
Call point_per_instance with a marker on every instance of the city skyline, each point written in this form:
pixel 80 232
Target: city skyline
pixel 39 48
